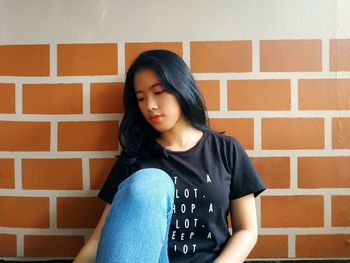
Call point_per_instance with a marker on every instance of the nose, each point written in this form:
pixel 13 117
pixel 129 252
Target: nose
pixel 151 104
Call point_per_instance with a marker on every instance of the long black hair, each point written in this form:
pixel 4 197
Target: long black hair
pixel 136 135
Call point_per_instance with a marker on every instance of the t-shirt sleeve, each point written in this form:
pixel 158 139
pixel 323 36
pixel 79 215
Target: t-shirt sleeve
pixel 115 177
pixel 245 179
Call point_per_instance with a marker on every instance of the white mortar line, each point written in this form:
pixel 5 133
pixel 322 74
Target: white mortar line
pixel 294 172
pixel 279 114
pixel 327 211
pixel 299 153
pixel 46 193
pixel 18 176
pixel 86 174
pixel 291 246
pixel 60 154
pixel 64 79
pixel 46 231
pixel 53 211
pixel 62 117
pixel 223 96
pixel 34 259
pixel 54 137
pixel 273 75
pixel 304 231
pixel 257 134
pixel 294 100
pixel 309 192
pixel 18 99
pixel 20 243
pixel 328 133
pixel 86 98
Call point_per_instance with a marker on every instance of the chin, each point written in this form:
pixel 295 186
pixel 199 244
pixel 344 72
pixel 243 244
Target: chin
pixel 161 129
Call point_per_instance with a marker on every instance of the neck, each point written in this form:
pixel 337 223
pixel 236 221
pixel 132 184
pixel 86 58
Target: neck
pixel 180 137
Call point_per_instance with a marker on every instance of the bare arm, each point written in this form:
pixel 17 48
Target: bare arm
pixel 245 231
pixel 88 252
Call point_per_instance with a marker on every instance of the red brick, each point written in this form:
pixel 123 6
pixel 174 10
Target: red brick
pixel 24 136
pixel 274 171
pixel 87 59
pixel 341 133
pixel 52 174
pixel 106 98
pixel 52 98
pixel 8 246
pixel 88 136
pixel 52 246
pixel 210 90
pixel 78 212
pixel 272 246
pixel 241 129
pixel 323 246
pixel 24 60
pixel 221 56
pixel 31 212
pixel 340 211
pixel 290 55
pixel 324 172
pixel 7 98
pixel 132 50
pixel 292 133
pixel 266 95
pixel 292 211
pixel 7 173
pixel 339 54
pixel 99 170
pixel 324 94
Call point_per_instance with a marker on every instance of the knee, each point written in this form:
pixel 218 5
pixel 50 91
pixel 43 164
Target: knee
pixel 149 183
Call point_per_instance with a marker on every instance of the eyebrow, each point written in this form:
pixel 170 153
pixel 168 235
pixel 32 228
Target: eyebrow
pixel 150 87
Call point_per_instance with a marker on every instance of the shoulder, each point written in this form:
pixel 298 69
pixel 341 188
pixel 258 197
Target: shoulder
pixel 226 145
pixel 222 138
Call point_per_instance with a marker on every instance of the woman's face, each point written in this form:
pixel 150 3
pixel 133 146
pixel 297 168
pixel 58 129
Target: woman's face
pixel 160 108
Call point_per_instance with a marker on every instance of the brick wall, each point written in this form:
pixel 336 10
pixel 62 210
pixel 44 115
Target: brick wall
pixel 287 101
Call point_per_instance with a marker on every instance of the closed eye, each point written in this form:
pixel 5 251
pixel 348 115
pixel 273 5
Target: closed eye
pixel 159 92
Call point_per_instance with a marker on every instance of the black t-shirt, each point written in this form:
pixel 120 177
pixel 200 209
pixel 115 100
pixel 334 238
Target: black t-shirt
pixel 206 177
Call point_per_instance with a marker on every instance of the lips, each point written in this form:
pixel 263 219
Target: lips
pixel 155 118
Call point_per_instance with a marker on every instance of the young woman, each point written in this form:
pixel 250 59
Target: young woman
pixel 170 191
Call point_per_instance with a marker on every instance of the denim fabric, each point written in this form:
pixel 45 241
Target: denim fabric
pixel 137 225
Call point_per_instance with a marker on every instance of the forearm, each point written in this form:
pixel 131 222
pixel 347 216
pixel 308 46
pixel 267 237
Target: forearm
pixel 238 247
pixel 88 252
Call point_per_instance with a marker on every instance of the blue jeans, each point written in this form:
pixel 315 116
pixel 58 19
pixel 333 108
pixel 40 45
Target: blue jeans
pixel 137 225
